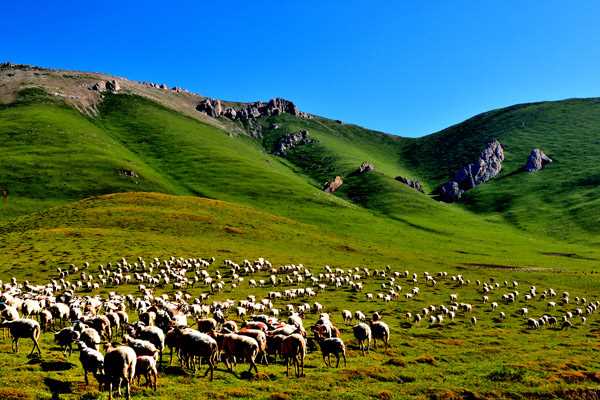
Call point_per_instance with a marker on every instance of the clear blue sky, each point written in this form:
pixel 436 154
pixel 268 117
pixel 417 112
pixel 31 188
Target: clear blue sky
pixel 408 68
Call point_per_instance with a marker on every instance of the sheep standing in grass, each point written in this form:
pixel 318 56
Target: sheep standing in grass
pixel 65 339
pixel 91 361
pixel 235 347
pixel 380 331
pixel 333 346
pixel 362 333
pixel 24 329
pixel 119 368
pixel 293 348
pixel 146 366
pixel 347 316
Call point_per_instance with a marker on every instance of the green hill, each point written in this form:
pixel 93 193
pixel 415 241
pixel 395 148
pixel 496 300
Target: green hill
pixel 56 156
pixel 97 176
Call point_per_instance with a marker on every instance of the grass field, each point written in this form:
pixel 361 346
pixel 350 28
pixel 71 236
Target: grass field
pixel 199 191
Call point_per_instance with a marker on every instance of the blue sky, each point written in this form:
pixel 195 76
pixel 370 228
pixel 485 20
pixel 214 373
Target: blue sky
pixel 409 68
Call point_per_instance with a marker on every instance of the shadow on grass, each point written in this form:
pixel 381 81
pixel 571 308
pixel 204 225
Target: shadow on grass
pixel 57 387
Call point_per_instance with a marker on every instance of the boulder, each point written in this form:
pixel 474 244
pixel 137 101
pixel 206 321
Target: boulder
pixel 537 160
pixel 333 185
pixel 487 166
pixel 291 141
pixel 99 86
pixel 113 86
pixel 450 192
pixel 365 167
pixel 211 107
pixel 413 184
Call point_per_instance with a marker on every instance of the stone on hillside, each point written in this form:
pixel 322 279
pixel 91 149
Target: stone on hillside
pixel 249 111
pixel 536 160
pixel 291 141
pixel 211 107
pixel 413 184
pixel 450 192
pixel 113 86
pixel 99 86
pixel 333 185
pixel 485 168
pixel 365 167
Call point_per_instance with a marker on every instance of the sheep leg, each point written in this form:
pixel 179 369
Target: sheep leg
pixel 344 355
pixel 110 390
pixel 337 357
pixel 127 394
pixel 287 366
pixel 36 346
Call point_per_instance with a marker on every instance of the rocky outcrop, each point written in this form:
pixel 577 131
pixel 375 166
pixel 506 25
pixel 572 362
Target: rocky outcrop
pixel 413 184
pixel 291 141
pixel 111 86
pixel 128 173
pixel 333 185
pixel 249 111
pixel 485 168
pixel 365 167
pixel 212 107
pixel 536 161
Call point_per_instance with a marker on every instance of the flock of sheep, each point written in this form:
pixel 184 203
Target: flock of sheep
pixel 253 330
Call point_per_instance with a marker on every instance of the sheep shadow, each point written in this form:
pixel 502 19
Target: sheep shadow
pixel 57 387
pixel 175 370
pixel 51 366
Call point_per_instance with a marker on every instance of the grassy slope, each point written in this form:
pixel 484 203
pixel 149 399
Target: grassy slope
pixel 275 208
pixel 560 201
pixel 193 158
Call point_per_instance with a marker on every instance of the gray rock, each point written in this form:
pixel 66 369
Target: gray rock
pixel 254 110
pixel 99 86
pixel 536 161
pixel 211 107
pixel 291 141
pixel 333 185
pixel 365 167
pixel 411 183
pixel 485 168
pixel 113 86
pixel 450 192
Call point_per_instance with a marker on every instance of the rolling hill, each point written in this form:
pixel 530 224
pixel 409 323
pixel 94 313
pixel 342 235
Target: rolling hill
pixel 64 155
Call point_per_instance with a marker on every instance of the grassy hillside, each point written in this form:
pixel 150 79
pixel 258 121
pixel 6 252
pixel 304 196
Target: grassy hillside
pixel 559 201
pixel 200 191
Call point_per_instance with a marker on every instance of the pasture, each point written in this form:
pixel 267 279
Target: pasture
pixel 492 358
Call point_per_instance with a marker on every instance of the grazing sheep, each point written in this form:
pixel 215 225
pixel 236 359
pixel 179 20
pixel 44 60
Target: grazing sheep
pixel 194 345
pixel 119 368
pixel 362 333
pixel 45 320
pixel 347 316
pixel 65 339
pixel 293 347
pixel 152 334
pixel 236 346
pixel 207 325
pixel 380 331
pixel 91 338
pixel 261 339
pixel 23 328
pixel 91 361
pixel 333 346
pixel 146 366
pixel 141 347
